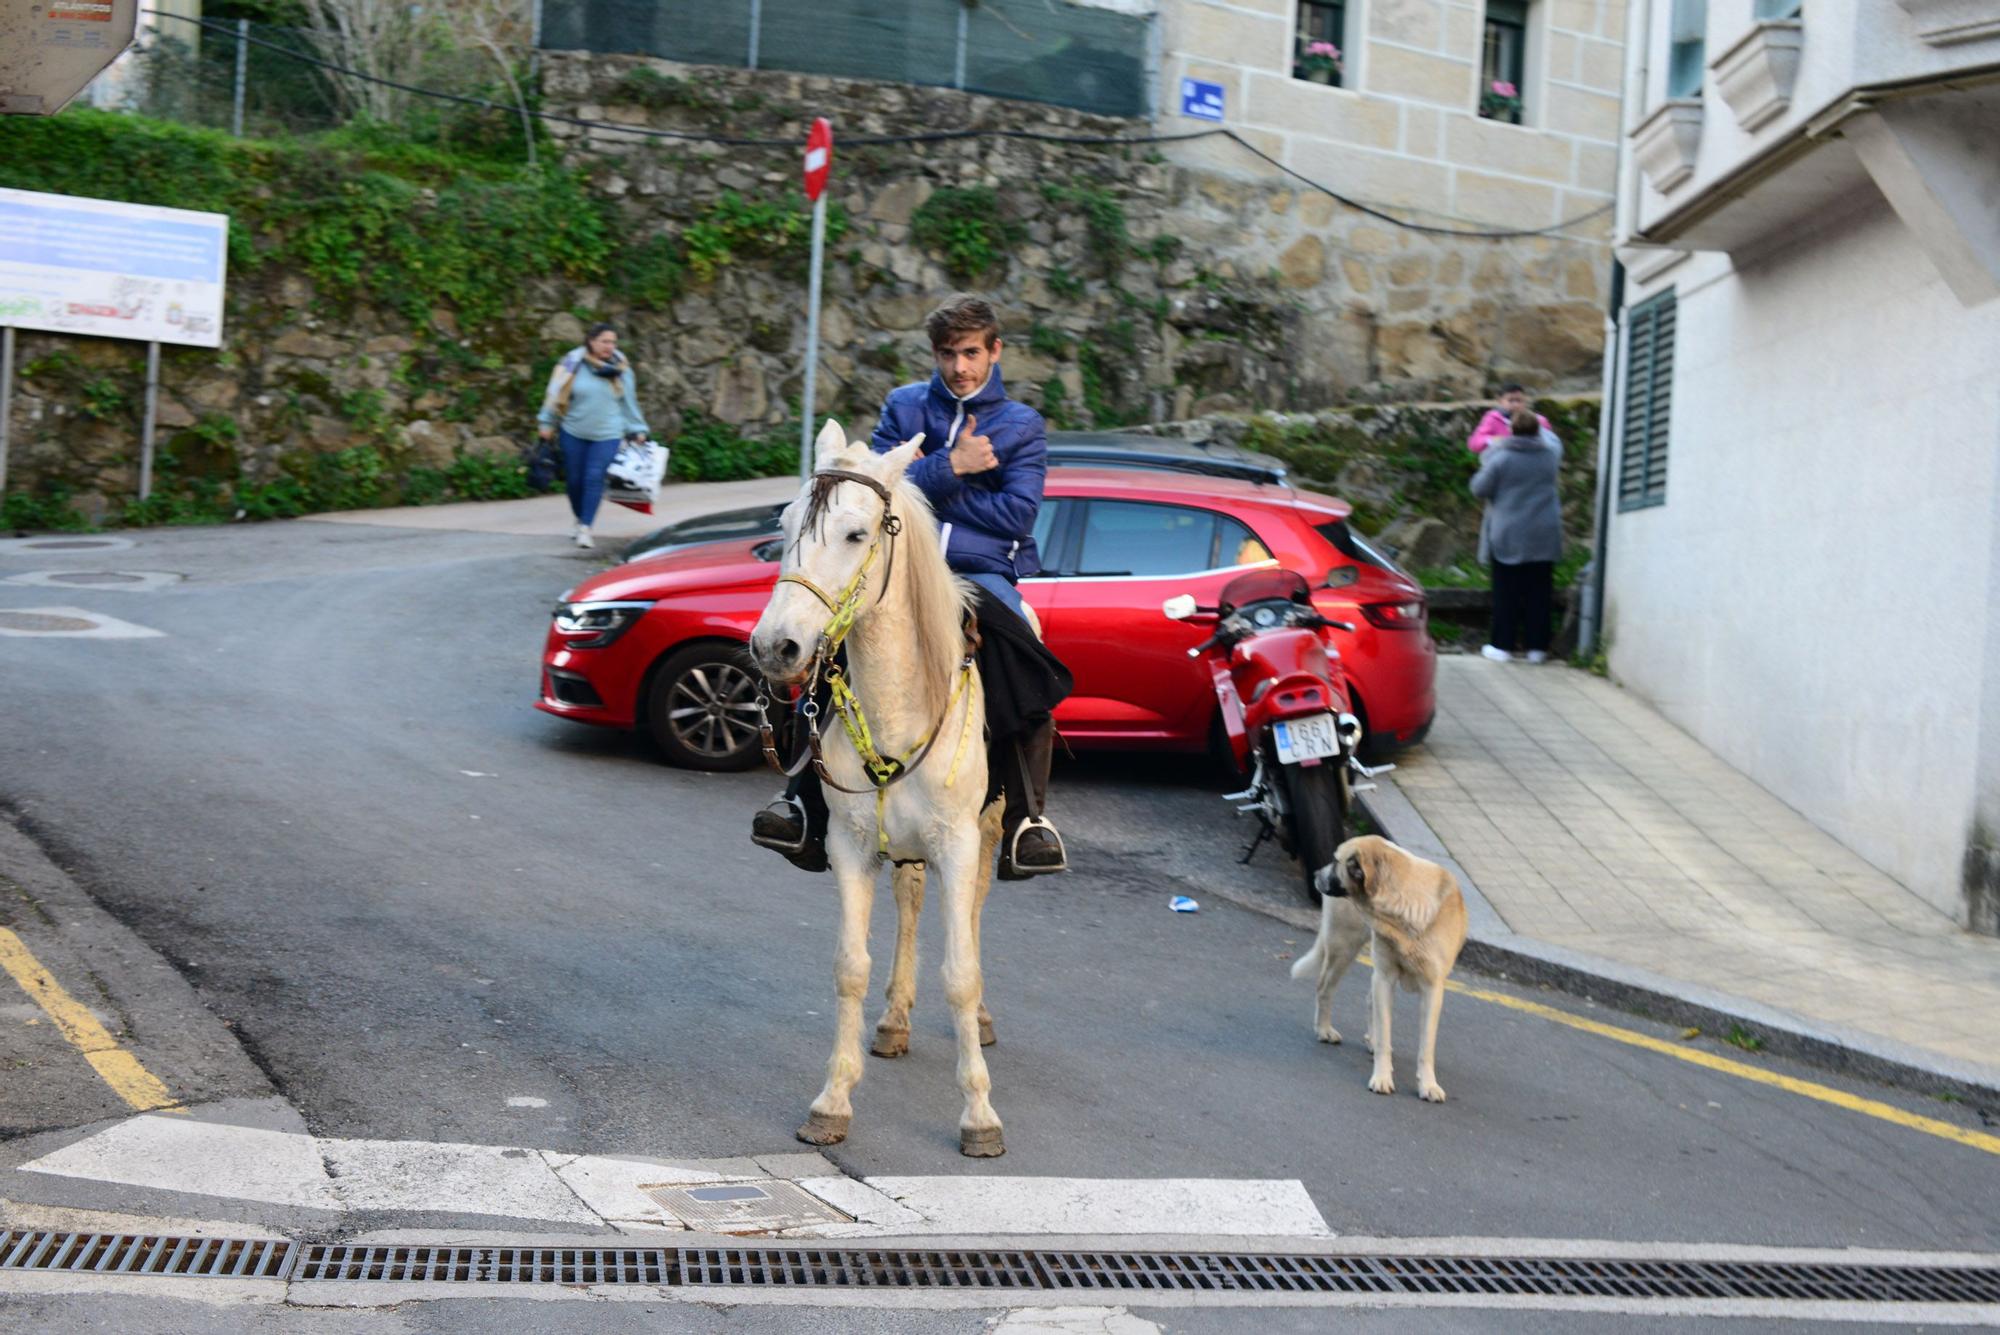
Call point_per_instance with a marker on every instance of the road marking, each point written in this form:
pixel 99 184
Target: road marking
pixel 282 1167
pixel 119 1068
pixel 1839 1098
pixel 71 623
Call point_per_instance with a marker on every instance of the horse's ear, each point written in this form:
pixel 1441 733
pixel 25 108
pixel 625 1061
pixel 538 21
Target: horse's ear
pixel 832 441
pixel 898 460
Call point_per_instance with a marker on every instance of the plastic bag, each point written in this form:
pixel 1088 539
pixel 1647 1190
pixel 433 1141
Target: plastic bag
pixel 634 478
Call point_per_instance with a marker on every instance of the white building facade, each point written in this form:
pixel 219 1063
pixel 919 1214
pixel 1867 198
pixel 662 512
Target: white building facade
pixel 1802 554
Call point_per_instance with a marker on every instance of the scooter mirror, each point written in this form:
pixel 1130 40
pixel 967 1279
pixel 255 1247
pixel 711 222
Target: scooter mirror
pixel 1179 607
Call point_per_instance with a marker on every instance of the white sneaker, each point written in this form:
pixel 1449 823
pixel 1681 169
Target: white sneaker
pixel 1497 654
pixel 1537 656
pixel 583 536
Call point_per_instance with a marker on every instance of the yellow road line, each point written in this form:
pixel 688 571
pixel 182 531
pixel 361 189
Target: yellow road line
pixel 1875 1108
pixel 120 1069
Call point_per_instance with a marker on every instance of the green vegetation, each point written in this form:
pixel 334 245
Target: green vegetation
pixel 968 228
pixel 736 228
pixel 1739 1037
pixel 710 451
pixel 1108 239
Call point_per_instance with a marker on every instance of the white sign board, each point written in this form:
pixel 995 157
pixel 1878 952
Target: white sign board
pixel 94 266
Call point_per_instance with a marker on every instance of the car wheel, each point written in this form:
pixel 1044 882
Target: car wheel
pixel 702 707
pixel 1315 804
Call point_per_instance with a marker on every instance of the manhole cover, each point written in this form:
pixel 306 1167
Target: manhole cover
pixel 69 545
pixel 94 577
pixel 746 1207
pixel 41 623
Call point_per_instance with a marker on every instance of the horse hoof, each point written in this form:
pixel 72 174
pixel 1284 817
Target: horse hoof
pixel 821 1129
pixel 891 1042
pixel 981 1142
pixel 986 1038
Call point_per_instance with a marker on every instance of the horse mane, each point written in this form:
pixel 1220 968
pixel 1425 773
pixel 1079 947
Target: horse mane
pixel 939 599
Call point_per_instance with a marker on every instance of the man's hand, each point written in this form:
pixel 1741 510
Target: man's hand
pixel 973 453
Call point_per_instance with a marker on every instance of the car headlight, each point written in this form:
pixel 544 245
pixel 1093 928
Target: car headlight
pixel 589 625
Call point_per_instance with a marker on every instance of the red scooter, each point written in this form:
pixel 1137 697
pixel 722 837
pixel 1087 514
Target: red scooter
pixel 1285 712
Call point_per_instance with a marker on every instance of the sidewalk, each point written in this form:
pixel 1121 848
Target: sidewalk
pixel 549 515
pixel 1597 839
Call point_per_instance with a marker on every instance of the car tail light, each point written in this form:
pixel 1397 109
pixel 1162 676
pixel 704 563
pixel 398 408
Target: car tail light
pixel 1407 615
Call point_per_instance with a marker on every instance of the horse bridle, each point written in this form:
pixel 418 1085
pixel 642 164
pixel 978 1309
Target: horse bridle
pixel 843 609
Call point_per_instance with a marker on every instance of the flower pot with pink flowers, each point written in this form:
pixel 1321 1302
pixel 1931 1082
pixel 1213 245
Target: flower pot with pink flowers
pixel 1320 62
pixel 1501 102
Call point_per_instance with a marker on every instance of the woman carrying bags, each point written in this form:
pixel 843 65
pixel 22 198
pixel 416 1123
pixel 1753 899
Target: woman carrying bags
pixel 594 405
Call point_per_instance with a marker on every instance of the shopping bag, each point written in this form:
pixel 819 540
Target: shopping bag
pixel 545 465
pixel 634 478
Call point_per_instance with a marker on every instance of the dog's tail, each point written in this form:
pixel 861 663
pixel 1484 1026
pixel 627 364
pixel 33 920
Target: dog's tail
pixel 1309 962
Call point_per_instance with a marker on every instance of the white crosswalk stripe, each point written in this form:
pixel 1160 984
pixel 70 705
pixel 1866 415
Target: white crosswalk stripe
pixel 290 1168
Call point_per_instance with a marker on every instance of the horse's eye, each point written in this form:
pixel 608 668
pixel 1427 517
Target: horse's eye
pixel 858 535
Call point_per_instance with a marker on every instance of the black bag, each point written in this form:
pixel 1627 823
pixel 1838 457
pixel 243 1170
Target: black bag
pixel 545 464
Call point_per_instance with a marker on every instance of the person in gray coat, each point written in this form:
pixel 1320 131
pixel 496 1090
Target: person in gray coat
pixel 1521 534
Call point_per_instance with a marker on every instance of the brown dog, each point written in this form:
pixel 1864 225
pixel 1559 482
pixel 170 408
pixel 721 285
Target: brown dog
pixel 1412 913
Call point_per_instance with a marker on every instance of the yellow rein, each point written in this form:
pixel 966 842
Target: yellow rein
pixel 881 770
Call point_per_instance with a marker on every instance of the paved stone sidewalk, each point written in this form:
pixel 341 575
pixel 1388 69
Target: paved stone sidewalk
pixel 1590 822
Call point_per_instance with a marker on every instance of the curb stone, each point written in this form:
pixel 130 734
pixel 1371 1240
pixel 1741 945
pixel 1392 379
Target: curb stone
pixel 1494 948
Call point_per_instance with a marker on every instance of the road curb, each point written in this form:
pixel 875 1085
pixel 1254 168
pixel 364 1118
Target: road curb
pixel 1494 948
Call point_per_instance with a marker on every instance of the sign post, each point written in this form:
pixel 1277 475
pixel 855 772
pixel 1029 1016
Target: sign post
pixel 819 165
pixel 73 265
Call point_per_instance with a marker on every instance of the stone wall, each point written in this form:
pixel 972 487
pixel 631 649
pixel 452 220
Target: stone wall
pixel 1133 291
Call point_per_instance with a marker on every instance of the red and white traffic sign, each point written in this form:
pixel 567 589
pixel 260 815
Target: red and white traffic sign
pixel 819 157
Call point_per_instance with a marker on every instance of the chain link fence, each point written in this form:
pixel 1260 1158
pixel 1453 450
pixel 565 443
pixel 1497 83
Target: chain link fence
pixel 259 80
pixel 1092 59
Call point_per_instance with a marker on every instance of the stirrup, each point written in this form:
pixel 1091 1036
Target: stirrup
pixel 790 848
pixel 1037 823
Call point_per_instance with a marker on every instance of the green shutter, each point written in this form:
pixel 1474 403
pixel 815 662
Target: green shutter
pixel 1649 387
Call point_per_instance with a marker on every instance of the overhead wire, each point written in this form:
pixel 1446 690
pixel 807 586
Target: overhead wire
pixel 923 137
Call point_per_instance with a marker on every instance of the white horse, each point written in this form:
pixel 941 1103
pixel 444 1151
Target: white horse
pixel 864 569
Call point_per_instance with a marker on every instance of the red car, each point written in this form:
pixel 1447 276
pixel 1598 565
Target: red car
pixel 658 643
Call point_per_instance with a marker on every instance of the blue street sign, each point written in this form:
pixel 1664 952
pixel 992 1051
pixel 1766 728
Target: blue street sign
pixel 1203 101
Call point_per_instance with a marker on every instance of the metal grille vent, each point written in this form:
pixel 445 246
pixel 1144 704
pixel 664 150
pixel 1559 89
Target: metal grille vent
pixel 488 1265
pixel 858 1268
pixel 143 1254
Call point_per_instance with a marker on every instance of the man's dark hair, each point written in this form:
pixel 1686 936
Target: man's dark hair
pixel 960 315
pixel 1513 387
pixel 1525 423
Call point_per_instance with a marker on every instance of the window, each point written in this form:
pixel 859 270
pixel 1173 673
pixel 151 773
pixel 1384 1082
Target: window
pixel 1235 545
pixel 1503 77
pixel 1319 51
pixel 1649 401
pixel 1134 538
pixel 1766 10
pixel 1686 39
pixel 1047 524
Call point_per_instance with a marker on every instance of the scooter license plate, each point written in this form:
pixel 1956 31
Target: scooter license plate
pixel 1312 738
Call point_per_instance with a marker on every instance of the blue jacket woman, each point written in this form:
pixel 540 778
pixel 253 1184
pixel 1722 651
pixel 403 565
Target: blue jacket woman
pixel 593 401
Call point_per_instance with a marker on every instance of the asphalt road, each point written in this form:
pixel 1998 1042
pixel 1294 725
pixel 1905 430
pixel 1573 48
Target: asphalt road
pixel 322 796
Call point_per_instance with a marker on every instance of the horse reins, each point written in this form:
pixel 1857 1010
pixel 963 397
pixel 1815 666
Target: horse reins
pixel 882 771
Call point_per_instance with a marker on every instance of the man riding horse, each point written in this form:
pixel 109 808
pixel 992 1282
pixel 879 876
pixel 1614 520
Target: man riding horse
pixel 984 461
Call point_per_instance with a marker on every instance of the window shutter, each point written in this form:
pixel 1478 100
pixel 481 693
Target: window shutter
pixel 1649 384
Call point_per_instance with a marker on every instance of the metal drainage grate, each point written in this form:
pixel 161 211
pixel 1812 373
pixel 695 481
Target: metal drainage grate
pixel 487 1265
pixel 43 623
pixel 144 1254
pixel 1383 1276
pixel 858 1268
pixel 764 1206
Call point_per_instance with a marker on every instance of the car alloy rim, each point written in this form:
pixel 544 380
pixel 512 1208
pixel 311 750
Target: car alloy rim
pixel 713 709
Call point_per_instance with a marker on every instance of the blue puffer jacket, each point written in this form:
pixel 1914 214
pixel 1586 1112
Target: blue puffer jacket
pixel 988 518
